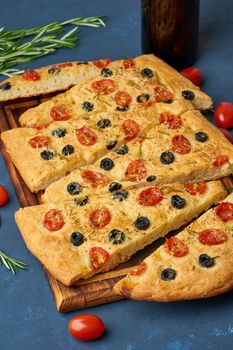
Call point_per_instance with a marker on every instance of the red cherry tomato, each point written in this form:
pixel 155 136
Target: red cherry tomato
pixel 86 327
pixel 86 136
pixel 40 126
pixel 225 211
pixel 193 189
pixel 212 237
pixel 150 197
pixel 227 134
pixel 53 220
pixel 30 74
pixel 139 269
pixel 181 145
pixel 193 74
pixel 220 160
pixel 126 64
pixel 122 98
pixel 63 65
pixel 161 94
pixel 136 170
pixel 98 257
pixel 131 129
pixel 172 121
pixel 103 86
pixel 59 113
pixel 223 115
pixel 39 141
pixel 4 197
pixel 100 217
pixel 95 178
pixel 176 247
pixel 102 63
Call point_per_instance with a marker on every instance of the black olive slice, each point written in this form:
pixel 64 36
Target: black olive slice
pixel 123 150
pixel 46 155
pixel 178 202
pixel 201 136
pixel 54 70
pixel 106 164
pixel 120 195
pixel 147 72
pixel 151 178
pixel 77 238
pixel 143 98
pixel 205 260
pixel 59 132
pixel 87 106
pixel 74 188
pixel 67 150
pixel 81 201
pixel 103 123
pixel 142 223
pixel 114 186
pixel 116 236
pixel 188 95
pixel 122 109
pixel 167 157
pixel 106 72
pixel 111 144
pixel 6 86
pixel 168 274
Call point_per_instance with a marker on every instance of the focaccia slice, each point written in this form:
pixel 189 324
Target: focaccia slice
pixel 43 156
pixel 181 147
pixel 196 263
pixel 62 76
pixel 77 239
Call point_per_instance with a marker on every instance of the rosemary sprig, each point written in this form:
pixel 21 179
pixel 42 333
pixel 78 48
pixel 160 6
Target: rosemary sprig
pixel 25 45
pixel 11 264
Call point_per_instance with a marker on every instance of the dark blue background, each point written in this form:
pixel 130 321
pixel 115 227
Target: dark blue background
pixel 28 318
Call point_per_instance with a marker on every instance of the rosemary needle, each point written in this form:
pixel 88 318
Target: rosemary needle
pixel 25 45
pixel 11 264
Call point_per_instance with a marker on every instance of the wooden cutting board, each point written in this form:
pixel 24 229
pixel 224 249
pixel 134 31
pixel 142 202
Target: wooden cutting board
pixel 98 289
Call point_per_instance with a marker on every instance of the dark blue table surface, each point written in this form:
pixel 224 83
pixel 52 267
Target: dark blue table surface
pixel 28 317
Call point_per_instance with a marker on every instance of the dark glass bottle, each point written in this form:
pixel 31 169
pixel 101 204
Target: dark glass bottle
pixel 170 30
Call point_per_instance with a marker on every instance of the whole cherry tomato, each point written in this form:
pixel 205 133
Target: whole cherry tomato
pixel 4 197
pixel 86 327
pixel 193 74
pixel 227 134
pixel 223 115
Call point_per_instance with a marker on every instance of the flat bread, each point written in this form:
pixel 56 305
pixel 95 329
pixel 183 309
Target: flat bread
pixel 64 75
pixel 196 263
pixel 77 239
pixel 181 147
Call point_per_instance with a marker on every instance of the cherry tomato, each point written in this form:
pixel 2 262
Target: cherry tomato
pixel 150 197
pixel 227 134
pixel 223 115
pixel 193 74
pixel 212 237
pixel 86 327
pixel 98 257
pixel 63 65
pixel 95 178
pixel 104 86
pixel 40 126
pixel 4 196
pixel 53 220
pixel 100 217
pixel 102 63
pixel 135 171
pixel 225 211
pixel 161 94
pixel 193 189
pixel 139 269
pixel 220 160
pixel 172 121
pixel 30 74
pixel 86 136
pixel 176 247
pixel 181 145
pixel 39 141
pixel 131 129
pixel 59 113
pixel 122 98
pixel 126 64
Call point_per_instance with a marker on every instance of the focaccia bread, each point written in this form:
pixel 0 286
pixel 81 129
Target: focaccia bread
pixel 62 76
pixel 181 147
pixel 77 239
pixel 43 156
pixel 196 263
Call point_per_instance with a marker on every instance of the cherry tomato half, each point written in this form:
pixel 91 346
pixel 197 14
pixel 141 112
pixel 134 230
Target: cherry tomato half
pixel 4 197
pixel 223 115
pixel 193 74
pixel 86 327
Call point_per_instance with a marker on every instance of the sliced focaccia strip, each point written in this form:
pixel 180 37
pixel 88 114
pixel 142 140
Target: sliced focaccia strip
pixel 43 156
pixel 181 147
pixel 197 263
pixel 62 76
pixel 78 239
pixel 127 91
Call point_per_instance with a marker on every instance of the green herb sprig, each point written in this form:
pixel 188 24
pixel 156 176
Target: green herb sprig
pixel 11 264
pixel 26 45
